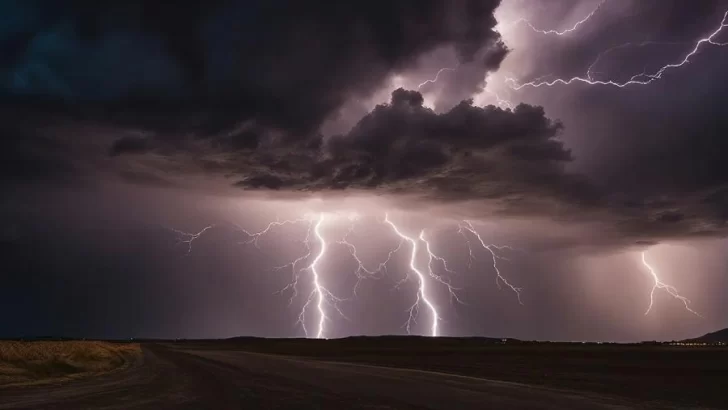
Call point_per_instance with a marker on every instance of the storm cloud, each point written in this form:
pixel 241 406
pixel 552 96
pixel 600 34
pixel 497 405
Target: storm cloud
pixel 228 97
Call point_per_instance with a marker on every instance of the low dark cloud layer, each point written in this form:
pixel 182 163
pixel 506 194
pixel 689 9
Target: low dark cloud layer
pixel 403 147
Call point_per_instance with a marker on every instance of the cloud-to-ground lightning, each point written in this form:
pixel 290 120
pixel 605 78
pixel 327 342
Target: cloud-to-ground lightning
pixel 468 226
pixel 320 293
pixel 642 78
pixel 557 32
pixel 320 301
pixel 422 287
pixel 671 290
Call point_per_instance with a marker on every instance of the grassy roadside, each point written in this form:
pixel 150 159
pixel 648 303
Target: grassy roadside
pixel 29 363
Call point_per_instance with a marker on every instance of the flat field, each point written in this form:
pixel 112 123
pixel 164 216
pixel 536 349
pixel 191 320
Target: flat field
pixel 25 363
pixel 671 375
pixel 402 373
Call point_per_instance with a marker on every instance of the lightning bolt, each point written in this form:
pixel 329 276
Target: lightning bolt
pixel 255 236
pixel 637 79
pixel 671 290
pixel 493 249
pixel 319 294
pixel 361 271
pixel 431 259
pixel 321 301
pixel 500 101
pixel 437 76
pixel 591 71
pixel 295 274
pixel 422 290
pixel 187 238
pixel 556 32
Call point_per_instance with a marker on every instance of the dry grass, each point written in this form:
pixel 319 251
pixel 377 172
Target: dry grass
pixel 23 363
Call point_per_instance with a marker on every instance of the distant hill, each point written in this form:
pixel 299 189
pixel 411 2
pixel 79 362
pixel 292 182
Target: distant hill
pixel 719 336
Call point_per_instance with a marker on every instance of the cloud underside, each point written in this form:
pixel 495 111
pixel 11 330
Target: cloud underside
pixel 489 160
pixel 237 92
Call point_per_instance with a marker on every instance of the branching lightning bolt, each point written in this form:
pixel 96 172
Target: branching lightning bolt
pixel 556 32
pixel 671 290
pixel 321 300
pixel 295 274
pixel 188 238
pixel 361 271
pixel 432 257
pixel 319 294
pixel 502 102
pixel 422 290
pixel 468 226
pixel 255 236
pixel 437 76
pixel 637 79
pixel 590 71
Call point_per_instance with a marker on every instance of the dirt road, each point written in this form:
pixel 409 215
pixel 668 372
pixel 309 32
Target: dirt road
pixel 208 379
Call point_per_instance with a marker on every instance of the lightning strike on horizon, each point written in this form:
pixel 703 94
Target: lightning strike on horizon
pixel 323 299
pixel 637 79
pixel 671 290
pixel 556 32
pixel 437 76
pixel 468 226
pixel 421 291
pixel 319 293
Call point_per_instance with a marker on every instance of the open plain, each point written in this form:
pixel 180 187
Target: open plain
pixel 395 373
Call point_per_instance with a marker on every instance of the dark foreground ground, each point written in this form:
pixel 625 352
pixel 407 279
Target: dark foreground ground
pixel 396 373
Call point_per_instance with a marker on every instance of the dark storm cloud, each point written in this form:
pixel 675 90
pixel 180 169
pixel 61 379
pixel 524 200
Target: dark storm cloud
pixel 280 63
pixel 205 77
pixel 129 145
pixel 238 91
pixel 462 81
pixel 26 156
pixel 510 157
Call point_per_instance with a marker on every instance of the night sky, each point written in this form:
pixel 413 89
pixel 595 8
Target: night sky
pixel 574 137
